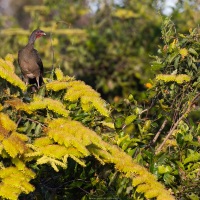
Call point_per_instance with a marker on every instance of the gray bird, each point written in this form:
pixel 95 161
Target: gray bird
pixel 30 62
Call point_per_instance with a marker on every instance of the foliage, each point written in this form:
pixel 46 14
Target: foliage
pixel 40 130
pixel 109 54
pixel 164 134
pixel 108 49
pixel 180 56
pixel 7 72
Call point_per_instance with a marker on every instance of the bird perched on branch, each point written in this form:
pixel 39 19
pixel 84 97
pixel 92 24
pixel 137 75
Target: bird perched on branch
pixel 30 62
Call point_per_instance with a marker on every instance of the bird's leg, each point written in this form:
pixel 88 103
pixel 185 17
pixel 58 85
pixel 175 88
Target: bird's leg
pixel 26 80
pixel 38 82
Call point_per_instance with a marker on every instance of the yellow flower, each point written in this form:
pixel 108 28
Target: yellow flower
pixel 183 52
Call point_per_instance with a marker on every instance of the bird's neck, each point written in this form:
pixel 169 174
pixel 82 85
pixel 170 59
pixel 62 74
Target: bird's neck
pixel 32 40
pixel 30 46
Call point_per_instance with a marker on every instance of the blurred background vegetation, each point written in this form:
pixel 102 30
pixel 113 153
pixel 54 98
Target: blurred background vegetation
pixel 106 43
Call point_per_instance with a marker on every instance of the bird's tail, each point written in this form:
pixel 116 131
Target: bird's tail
pixel 41 81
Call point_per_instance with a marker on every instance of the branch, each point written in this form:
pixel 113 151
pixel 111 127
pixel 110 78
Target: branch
pixel 53 58
pixel 19 120
pixel 176 124
pixel 159 131
pixel 29 119
pixel 157 134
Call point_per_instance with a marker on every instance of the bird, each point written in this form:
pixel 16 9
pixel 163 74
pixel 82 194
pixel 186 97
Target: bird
pixel 30 62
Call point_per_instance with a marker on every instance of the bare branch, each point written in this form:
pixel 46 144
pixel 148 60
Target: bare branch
pixel 176 124
pixel 159 131
pixel 31 120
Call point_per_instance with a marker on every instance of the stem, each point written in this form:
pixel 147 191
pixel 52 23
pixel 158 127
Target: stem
pixel 176 124
pixel 53 60
pixel 31 120
pixel 159 131
pixel 157 134
pixel 19 120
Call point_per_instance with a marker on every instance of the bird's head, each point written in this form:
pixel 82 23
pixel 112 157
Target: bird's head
pixel 39 33
pixel 36 34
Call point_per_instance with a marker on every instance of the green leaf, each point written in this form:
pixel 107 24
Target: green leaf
pixel 176 62
pixel 147 125
pixel 169 179
pixel 188 137
pixel 38 129
pixel 156 66
pixel 25 127
pixel 192 51
pixel 130 119
pixel 193 196
pixel 42 91
pixel 180 164
pixel 126 145
pixel 131 151
pixel 181 35
pixel 119 122
pixel 172 56
pixel 122 186
pixel 194 157
pixel 194 66
pixel 164 169
pixel 189 61
pixel 180 139
pixel 30 128
pixel 122 140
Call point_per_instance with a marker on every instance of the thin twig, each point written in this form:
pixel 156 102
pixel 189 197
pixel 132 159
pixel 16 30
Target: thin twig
pixel 145 110
pixel 157 134
pixel 53 59
pixel 180 100
pixel 159 131
pixel 83 190
pixel 152 103
pixel 19 120
pixel 29 119
pixel 176 124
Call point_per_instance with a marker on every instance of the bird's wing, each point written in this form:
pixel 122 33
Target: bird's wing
pixel 38 61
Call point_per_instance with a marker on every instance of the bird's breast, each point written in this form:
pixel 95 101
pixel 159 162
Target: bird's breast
pixel 28 63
